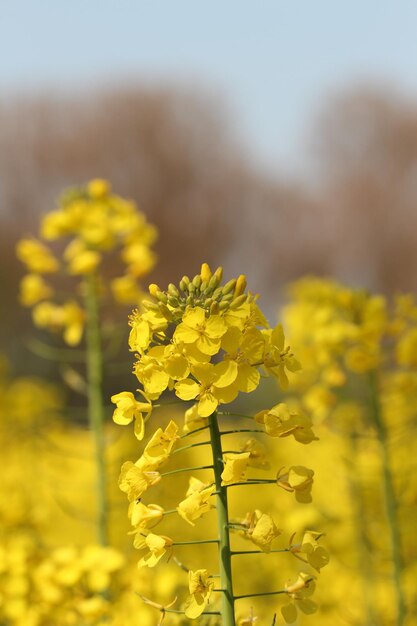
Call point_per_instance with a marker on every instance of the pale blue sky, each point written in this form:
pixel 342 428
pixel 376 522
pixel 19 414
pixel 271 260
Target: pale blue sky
pixel 275 61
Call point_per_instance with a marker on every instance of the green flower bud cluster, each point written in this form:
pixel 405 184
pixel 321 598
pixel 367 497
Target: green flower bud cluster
pixel 204 290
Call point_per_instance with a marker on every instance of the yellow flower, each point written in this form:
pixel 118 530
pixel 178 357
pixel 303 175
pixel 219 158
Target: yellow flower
pixel 69 318
pixel 126 290
pixel 214 385
pixel 37 257
pixel 136 478
pixel 129 409
pixel 201 587
pixel 298 480
pixel 246 350
pixel 55 224
pixel 235 464
pixel 98 188
pixel 157 545
pixel 192 420
pixel 281 421
pixel 260 528
pixel 139 258
pixel 196 504
pixel 257 453
pixel 150 371
pixel 85 262
pixel 159 447
pixel 74 318
pixel 278 358
pixel 406 351
pixel 194 485
pixel 316 555
pixel 33 289
pixel 299 593
pixel 145 516
pixel 204 333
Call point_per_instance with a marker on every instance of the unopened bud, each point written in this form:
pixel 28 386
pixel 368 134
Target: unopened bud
pixel 238 301
pixel 173 301
pixel 197 281
pixel 218 273
pixel 206 272
pixel 154 290
pixel 172 290
pixel 214 308
pixel 229 286
pixel 223 305
pixel 240 285
pixel 184 282
pixel 150 306
pixel 162 297
pixel 165 311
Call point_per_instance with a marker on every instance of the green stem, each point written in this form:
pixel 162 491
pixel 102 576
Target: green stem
pixel 258 551
pixel 264 593
pixel 191 543
pixel 390 499
pixel 95 401
pixel 225 562
pixel 230 414
pixel 196 430
pixel 241 430
pixel 191 445
pixel 187 469
pixel 182 612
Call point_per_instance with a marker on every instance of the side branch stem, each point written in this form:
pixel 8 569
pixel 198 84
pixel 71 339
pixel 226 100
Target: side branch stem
pixel 225 562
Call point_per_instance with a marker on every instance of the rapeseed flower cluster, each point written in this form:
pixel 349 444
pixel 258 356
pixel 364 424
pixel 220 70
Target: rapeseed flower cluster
pixel 205 341
pixel 91 223
pixel 208 342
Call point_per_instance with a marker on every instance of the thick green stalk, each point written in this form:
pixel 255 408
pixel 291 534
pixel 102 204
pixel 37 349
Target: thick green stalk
pixel 95 401
pixel 390 499
pixel 225 561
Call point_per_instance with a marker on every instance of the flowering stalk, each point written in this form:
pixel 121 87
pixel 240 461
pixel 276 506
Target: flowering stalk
pixel 210 342
pixel 390 499
pixel 93 223
pixel 95 401
pixel 225 561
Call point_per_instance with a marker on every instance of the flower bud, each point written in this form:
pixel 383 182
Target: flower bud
pixel 150 306
pixel 240 286
pixel 154 290
pixel 165 311
pixel 162 297
pixel 172 290
pixel 229 286
pixel 238 301
pixel 205 273
pixel 197 281
pixel 184 282
pixel 218 274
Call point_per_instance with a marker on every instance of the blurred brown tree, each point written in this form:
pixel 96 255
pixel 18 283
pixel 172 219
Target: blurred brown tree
pixel 366 140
